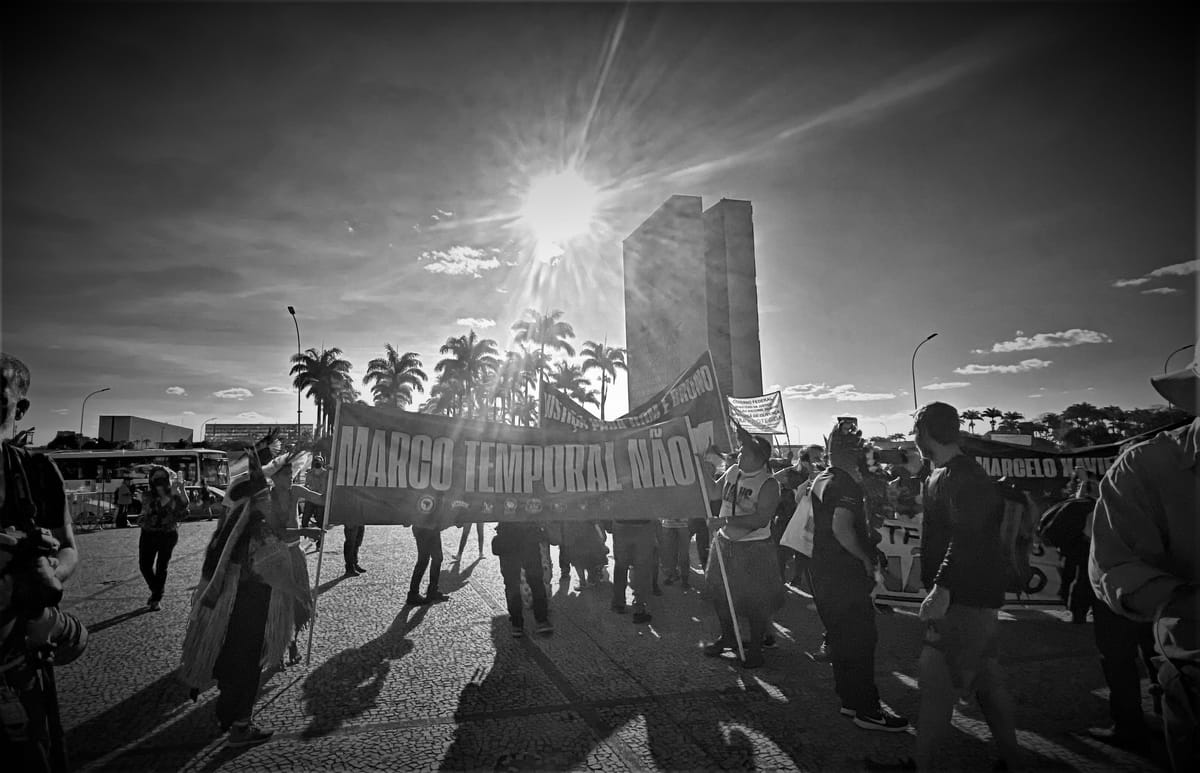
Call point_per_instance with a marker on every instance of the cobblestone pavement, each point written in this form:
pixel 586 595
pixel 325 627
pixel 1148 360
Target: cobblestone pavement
pixel 447 687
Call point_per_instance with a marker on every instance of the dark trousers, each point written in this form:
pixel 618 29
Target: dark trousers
pixel 634 548
pixel 354 538
pixel 845 608
pixel 311 513
pixel 429 554
pixel 1076 591
pixel 154 554
pixel 527 558
pixel 1121 641
pixel 237 667
pixel 121 519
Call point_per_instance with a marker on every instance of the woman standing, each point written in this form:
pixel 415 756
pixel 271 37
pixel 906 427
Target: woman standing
pixel 162 508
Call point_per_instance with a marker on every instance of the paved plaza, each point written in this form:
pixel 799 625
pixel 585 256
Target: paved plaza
pixel 446 687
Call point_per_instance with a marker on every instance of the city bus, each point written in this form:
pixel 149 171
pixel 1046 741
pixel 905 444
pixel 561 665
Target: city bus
pixel 92 478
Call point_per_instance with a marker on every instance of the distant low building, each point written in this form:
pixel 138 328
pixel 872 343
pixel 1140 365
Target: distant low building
pixel 217 434
pixel 143 433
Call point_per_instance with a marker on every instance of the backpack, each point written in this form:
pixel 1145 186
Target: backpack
pixel 1062 525
pixel 1016 536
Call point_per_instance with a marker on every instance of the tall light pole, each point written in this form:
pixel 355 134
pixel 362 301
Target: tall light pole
pixel 83 407
pixel 204 428
pixel 292 311
pixel 1172 354
pixel 914 367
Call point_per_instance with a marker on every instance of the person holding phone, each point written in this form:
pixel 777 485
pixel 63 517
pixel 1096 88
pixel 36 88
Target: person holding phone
pixel 163 506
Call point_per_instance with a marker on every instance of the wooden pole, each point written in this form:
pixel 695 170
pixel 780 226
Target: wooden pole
pixel 334 463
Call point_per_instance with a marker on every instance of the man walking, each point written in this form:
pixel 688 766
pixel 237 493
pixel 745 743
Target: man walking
pixel 843 576
pixel 634 563
pixel 963 568
pixel 518 546
pixel 1144 558
pixel 124 502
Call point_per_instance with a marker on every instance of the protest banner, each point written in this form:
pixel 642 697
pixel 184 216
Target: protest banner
pixel 694 394
pixel 762 415
pixel 901 543
pixel 394 467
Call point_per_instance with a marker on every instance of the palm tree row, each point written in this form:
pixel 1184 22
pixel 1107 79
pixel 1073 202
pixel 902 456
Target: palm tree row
pixel 473 379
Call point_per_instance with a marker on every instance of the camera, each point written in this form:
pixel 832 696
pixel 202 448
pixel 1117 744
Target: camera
pixel 35 586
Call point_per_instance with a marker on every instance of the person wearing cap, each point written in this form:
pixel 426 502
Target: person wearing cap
pixel 1145 555
pixel 743 554
pixel 843 571
pixel 163 506
pixel 963 570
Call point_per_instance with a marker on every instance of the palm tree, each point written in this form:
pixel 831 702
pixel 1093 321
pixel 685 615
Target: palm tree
pixel 1010 420
pixel 569 380
pixel 991 414
pixel 326 377
pixel 544 331
pixel 445 397
pixel 970 416
pixel 606 359
pixel 394 377
pixel 472 360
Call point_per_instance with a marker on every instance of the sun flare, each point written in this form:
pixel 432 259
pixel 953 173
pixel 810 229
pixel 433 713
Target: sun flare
pixel 559 207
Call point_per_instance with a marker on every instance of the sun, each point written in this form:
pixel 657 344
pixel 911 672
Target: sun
pixel 559 207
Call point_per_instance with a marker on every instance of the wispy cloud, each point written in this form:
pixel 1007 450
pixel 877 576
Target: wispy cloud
pixel 1060 340
pixel 60 411
pixel 481 322
pixel 1160 291
pixel 1175 269
pixel 842 393
pixel 254 417
pixel 947 385
pixel 189 413
pixel 178 391
pixel 233 393
pixel 1035 396
pixel 459 260
pixel 274 390
pixel 1024 366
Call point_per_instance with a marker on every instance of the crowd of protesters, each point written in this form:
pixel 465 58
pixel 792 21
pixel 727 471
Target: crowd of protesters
pixel 1129 543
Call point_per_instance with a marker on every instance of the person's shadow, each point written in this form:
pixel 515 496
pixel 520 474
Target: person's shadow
pixel 348 684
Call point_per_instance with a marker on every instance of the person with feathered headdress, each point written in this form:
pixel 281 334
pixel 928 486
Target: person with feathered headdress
pixel 742 541
pixel 253 596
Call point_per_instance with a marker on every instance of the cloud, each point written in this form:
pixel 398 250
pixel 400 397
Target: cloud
pixel 60 411
pixel 476 322
pixel 189 413
pixel 842 393
pixel 1061 340
pixel 178 391
pixel 947 385
pixel 233 393
pixel 1034 396
pixel 274 390
pixel 255 417
pixel 1175 269
pixel 1160 291
pixel 459 260
pixel 1024 366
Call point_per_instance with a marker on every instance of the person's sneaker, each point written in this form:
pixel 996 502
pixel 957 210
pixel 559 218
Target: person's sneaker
pixel 846 712
pixel 416 600
pixel 359 569
pixel 155 605
pixel 882 720
pixel 618 608
pixel 435 597
pixel 247 735
pixel 518 631
pixel 640 615
pixel 351 571
pixel 544 628
pixel 769 641
pixel 719 647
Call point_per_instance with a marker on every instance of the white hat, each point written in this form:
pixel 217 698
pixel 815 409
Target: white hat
pixel 1179 387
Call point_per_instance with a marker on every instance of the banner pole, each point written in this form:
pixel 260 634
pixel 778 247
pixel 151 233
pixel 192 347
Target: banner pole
pixel 716 545
pixel 334 462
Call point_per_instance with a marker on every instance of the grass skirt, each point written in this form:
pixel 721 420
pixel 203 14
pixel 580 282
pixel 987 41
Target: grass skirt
pixel 754 579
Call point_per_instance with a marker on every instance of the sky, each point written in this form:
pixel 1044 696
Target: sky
pixel 1019 179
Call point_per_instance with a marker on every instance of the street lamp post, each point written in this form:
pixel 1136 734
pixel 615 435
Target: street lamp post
pixel 83 407
pixel 1167 361
pixel 914 367
pixel 292 311
pixel 204 428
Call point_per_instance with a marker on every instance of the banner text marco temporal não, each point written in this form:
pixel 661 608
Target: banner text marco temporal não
pixel 378 458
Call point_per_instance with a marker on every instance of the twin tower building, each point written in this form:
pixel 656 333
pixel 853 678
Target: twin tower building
pixel 690 287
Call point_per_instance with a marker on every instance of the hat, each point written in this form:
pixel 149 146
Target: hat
pixel 761 446
pixel 1179 387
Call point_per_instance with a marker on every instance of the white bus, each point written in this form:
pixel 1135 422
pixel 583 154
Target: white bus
pixel 92 478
